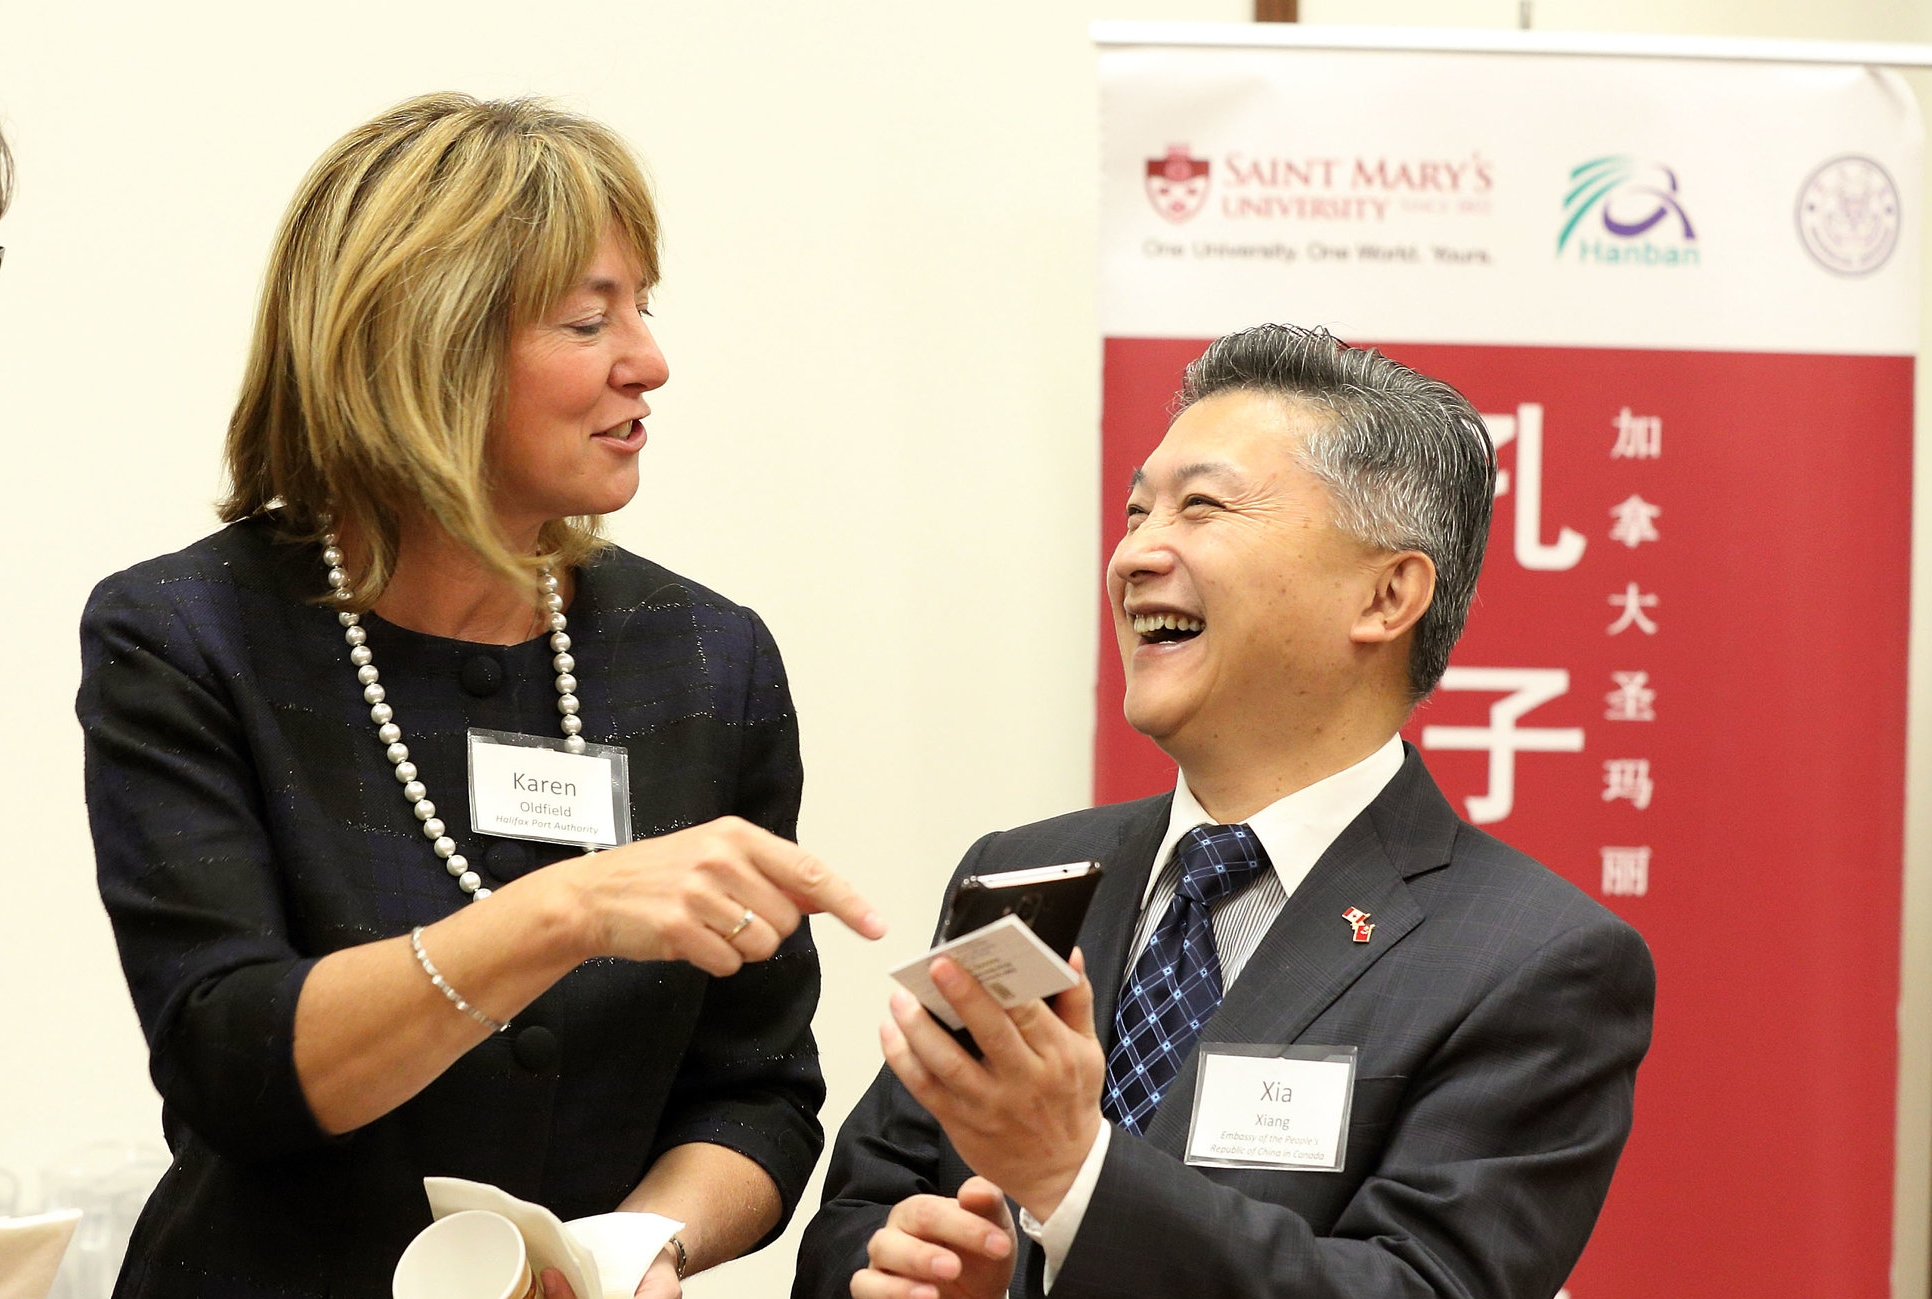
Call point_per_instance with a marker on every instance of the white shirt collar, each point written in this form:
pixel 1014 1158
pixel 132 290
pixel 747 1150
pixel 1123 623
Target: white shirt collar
pixel 1295 830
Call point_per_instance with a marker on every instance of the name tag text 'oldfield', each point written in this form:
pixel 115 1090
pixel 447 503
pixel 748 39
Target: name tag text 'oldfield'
pixel 531 787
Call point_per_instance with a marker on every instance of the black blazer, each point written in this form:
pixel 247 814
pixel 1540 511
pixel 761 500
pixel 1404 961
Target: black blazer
pixel 246 823
pixel 1501 1015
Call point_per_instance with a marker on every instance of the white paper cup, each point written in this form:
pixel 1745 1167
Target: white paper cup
pixel 474 1254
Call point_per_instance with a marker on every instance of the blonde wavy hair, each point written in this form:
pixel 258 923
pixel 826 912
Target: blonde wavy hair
pixel 412 250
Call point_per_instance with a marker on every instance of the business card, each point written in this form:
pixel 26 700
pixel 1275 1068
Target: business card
pixel 1006 957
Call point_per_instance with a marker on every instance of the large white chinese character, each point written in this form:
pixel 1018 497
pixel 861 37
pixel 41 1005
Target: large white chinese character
pixel 1628 778
pixel 1634 603
pixel 1635 521
pixel 1633 700
pixel 1626 872
pixel 1639 437
pixel 1525 429
pixel 1528 688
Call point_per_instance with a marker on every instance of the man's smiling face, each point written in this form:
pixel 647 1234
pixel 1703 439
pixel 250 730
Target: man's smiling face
pixel 1233 592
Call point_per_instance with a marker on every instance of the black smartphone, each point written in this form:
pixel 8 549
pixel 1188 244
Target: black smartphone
pixel 1051 900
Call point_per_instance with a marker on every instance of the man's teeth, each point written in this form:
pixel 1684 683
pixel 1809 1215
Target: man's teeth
pixel 1148 623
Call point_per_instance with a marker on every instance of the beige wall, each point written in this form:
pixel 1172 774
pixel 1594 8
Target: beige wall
pixel 880 429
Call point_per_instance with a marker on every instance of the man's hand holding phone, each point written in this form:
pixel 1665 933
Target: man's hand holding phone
pixel 1027 1111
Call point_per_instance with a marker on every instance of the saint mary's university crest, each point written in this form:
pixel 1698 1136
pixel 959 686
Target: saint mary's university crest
pixel 1177 185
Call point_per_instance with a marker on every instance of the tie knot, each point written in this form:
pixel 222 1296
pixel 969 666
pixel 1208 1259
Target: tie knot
pixel 1216 860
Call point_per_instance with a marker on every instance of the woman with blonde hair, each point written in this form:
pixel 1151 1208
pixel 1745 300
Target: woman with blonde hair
pixel 408 677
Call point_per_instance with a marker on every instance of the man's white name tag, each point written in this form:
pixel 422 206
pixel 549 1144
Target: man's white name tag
pixel 1272 1106
pixel 531 787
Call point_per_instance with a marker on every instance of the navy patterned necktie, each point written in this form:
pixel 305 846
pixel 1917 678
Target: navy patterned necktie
pixel 1176 984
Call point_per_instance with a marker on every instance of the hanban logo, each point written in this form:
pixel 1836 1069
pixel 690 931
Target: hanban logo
pixel 1630 201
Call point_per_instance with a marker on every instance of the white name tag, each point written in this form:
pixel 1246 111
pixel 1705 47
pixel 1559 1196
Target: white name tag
pixel 531 787
pixel 1272 1106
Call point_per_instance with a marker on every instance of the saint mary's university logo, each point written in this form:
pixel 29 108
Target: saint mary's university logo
pixel 1177 184
pixel 1621 210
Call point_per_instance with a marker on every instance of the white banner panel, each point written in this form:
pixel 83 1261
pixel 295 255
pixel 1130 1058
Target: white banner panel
pixel 1463 198
pixel 1684 294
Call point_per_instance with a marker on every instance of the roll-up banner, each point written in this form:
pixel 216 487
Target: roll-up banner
pixel 1683 293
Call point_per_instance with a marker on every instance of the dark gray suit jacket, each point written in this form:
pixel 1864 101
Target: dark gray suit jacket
pixel 1501 1016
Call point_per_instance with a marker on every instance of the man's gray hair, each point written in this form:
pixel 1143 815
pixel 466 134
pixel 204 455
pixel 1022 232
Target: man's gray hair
pixel 1405 457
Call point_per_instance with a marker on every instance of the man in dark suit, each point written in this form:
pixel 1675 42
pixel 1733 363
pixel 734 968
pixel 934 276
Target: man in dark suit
pixel 1300 556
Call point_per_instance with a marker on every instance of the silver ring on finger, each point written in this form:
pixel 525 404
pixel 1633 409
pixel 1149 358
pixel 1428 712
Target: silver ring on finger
pixel 744 923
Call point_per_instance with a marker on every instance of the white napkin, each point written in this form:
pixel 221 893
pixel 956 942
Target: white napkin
pixel 30 1250
pixel 603 1257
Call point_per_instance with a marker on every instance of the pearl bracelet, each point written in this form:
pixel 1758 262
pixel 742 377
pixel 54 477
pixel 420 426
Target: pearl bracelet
pixel 442 984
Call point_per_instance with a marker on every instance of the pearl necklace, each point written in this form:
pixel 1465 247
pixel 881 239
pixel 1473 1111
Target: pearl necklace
pixel 413 789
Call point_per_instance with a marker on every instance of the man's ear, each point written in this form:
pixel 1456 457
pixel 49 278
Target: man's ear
pixel 1405 585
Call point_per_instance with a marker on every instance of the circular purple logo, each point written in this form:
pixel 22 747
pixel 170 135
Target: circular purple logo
pixel 1848 215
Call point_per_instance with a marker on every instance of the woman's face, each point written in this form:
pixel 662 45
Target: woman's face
pixel 574 408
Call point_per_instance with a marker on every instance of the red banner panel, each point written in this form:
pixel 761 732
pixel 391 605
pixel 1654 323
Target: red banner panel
pixel 1683 689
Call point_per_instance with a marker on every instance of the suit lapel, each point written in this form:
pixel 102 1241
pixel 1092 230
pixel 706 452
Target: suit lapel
pixel 1309 957
pixel 1116 906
